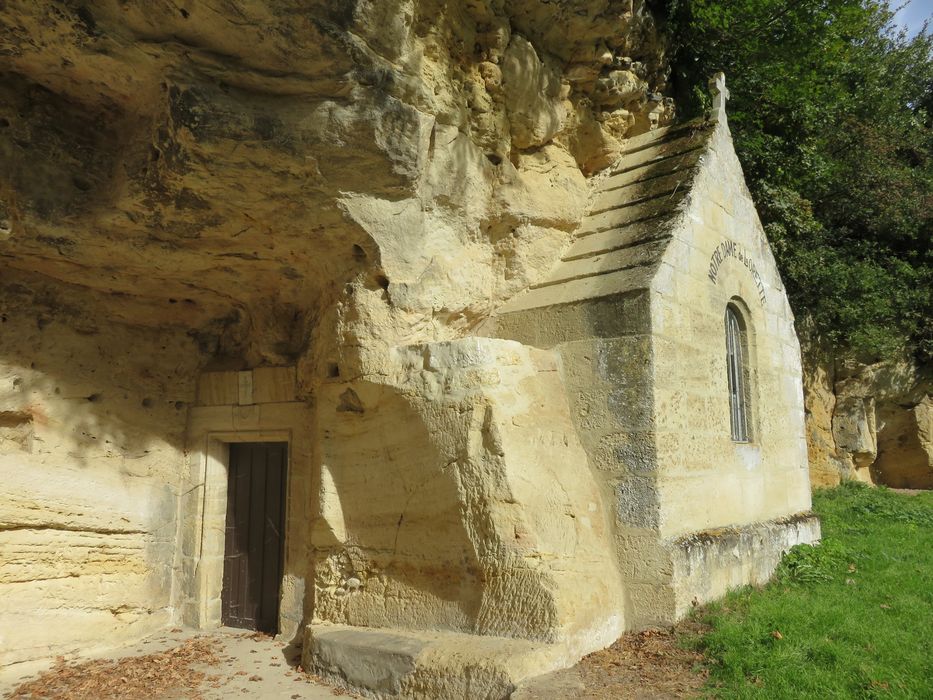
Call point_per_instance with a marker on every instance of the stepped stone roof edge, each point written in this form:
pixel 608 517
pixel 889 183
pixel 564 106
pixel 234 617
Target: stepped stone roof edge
pixel 634 208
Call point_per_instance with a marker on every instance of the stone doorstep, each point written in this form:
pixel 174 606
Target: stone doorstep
pixel 398 663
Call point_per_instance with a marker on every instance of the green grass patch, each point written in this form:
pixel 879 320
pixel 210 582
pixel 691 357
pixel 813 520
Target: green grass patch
pixel 851 618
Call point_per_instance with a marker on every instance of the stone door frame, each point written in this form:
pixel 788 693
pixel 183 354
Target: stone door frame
pixel 199 573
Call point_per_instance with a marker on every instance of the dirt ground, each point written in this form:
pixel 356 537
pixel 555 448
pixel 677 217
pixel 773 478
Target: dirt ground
pixel 648 665
pixel 180 665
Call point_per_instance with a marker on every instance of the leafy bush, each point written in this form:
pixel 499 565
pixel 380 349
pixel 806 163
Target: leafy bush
pixel 805 563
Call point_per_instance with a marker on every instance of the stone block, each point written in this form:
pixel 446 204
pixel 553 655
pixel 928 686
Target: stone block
pixel 709 563
pixel 218 389
pixel 425 665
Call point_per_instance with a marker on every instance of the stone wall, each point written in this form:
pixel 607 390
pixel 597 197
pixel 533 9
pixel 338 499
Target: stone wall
pixel 707 479
pixel 92 420
pixel 605 348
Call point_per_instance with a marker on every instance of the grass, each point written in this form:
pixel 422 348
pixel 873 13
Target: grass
pixel 851 618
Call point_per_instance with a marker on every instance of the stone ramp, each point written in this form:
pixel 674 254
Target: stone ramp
pixel 396 663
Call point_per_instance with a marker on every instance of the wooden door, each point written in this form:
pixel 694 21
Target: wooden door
pixel 253 548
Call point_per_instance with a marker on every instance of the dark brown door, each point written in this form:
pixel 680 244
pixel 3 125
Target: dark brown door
pixel 254 527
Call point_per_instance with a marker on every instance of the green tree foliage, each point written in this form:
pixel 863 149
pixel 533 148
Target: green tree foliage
pixel 832 115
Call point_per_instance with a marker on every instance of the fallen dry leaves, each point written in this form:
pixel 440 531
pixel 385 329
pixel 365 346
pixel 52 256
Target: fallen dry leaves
pixel 162 674
pixel 649 664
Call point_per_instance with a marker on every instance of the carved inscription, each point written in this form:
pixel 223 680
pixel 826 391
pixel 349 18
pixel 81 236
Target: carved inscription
pixel 730 249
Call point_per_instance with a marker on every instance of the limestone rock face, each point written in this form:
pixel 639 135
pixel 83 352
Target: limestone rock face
pixel 855 431
pixel 826 467
pixel 869 422
pixel 532 95
pixel 905 446
pixel 229 169
pixel 92 421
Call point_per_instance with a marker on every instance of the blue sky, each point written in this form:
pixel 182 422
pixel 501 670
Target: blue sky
pixel 914 14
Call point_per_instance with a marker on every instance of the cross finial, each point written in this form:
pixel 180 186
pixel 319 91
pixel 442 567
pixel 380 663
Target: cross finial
pixel 720 93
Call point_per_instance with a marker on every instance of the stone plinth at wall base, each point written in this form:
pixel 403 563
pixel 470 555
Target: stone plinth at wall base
pixel 708 564
pixel 395 663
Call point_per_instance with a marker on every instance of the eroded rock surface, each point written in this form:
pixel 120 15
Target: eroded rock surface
pixel 229 168
pixel 870 423
pixel 92 423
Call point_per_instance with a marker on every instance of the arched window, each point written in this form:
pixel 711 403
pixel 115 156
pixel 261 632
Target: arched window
pixel 738 371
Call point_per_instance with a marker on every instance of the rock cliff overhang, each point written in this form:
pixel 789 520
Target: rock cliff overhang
pixel 210 168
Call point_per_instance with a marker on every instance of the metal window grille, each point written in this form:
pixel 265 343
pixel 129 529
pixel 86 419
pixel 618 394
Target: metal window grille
pixel 737 367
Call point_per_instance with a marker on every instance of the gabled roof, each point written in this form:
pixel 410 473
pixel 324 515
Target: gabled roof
pixel 619 244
